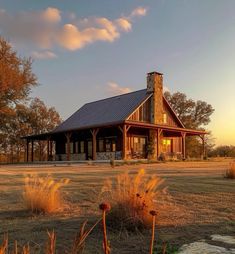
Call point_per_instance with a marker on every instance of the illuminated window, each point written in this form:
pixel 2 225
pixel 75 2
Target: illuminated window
pixel 166 142
pixel 164 118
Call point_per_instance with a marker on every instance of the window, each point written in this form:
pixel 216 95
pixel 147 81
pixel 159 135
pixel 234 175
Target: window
pixel 70 147
pixel 82 147
pixel 113 146
pixel 166 142
pixel 101 145
pixel 108 145
pixel 76 147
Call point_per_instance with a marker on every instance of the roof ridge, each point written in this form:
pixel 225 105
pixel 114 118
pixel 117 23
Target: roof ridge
pixel 115 96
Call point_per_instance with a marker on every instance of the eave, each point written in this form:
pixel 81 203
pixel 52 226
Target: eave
pixel 189 132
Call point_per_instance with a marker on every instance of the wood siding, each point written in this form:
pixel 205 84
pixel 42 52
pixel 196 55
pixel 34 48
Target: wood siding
pixel 170 118
pixel 142 113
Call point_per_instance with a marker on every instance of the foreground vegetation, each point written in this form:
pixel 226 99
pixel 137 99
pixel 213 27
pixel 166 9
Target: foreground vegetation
pixel 199 204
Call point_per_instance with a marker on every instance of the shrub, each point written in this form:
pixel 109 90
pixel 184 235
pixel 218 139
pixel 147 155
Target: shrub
pixel 131 198
pixel 230 173
pixel 43 195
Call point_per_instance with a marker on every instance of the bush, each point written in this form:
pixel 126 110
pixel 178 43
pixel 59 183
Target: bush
pixel 43 195
pixel 131 198
pixel 230 173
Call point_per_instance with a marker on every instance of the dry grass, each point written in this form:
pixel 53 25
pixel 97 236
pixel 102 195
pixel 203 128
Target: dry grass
pixel 132 197
pixel 43 194
pixel 203 203
pixel 230 173
pixel 77 245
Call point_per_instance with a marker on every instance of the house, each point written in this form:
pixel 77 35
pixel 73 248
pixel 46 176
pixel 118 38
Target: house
pixel 135 125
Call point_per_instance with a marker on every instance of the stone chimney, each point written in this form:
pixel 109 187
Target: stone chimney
pixel 155 86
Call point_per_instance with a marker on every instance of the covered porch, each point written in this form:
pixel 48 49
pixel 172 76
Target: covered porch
pixel 124 141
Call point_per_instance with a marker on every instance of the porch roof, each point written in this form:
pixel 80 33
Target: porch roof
pixel 172 129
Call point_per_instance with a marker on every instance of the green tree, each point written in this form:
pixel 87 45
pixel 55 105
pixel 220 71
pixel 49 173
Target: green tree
pixel 194 115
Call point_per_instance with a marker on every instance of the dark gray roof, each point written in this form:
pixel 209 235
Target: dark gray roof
pixel 104 112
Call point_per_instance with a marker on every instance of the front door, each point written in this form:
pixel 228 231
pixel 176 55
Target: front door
pixel 139 147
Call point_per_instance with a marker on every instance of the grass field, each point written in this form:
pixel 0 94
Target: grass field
pixel 200 203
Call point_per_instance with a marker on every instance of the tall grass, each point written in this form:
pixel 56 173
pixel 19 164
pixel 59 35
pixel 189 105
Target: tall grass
pixel 132 198
pixel 50 247
pixel 43 194
pixel 230 173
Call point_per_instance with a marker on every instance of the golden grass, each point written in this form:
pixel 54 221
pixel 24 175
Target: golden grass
pixel 43 194
pixel 77 246
pixel 230 173
pixel 132 198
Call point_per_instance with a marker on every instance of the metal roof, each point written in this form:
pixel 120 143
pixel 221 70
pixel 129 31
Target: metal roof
pixel 103 112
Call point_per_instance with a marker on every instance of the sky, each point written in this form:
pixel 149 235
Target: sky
pixel 87 50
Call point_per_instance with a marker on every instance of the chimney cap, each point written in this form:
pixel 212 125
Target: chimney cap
pixel 154 72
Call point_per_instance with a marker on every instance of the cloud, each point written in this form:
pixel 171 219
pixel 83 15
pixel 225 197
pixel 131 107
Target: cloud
pixel 115 89
pixel 51 15
pixel 46 28
pixel 43 54
pixel 140 11
pixel 124 24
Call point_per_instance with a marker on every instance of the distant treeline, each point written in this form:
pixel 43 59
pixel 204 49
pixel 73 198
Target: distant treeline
pixel 222 151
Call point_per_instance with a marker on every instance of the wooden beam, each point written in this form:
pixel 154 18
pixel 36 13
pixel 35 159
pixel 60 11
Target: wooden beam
pixel 27 150
pixel 94 133
pixel 124 137
pixel 32 151
pixel 68 136
pixel 159 133
pixel 203 146
pixel 51 148
pixel 48 149
pixel 183 134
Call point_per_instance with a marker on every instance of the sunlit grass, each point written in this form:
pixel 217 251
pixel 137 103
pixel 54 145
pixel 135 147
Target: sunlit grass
pixel 132 197
pixel 43 194
pixel 230 173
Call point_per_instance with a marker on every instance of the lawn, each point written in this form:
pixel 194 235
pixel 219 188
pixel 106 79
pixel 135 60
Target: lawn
pixel 200 203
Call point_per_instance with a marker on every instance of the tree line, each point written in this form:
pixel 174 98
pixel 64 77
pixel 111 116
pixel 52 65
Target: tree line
pixel 20 115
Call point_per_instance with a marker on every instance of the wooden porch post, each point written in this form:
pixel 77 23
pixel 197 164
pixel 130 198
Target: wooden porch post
pixel 94 133
pixel 68 136
pixel 32 150
pixel 48 149
pixel 203 146
pixel 159 132
pixel 51 148
pixel 27 150
pixel 124 131
pixel 183 134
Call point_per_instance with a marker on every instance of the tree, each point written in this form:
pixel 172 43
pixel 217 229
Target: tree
pixel 41 119
pixel 19 114
pixel 194 115
pixel 36 118
pixel 16 80
pixel 223 151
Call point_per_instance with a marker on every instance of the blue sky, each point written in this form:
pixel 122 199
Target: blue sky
pixel 87 50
